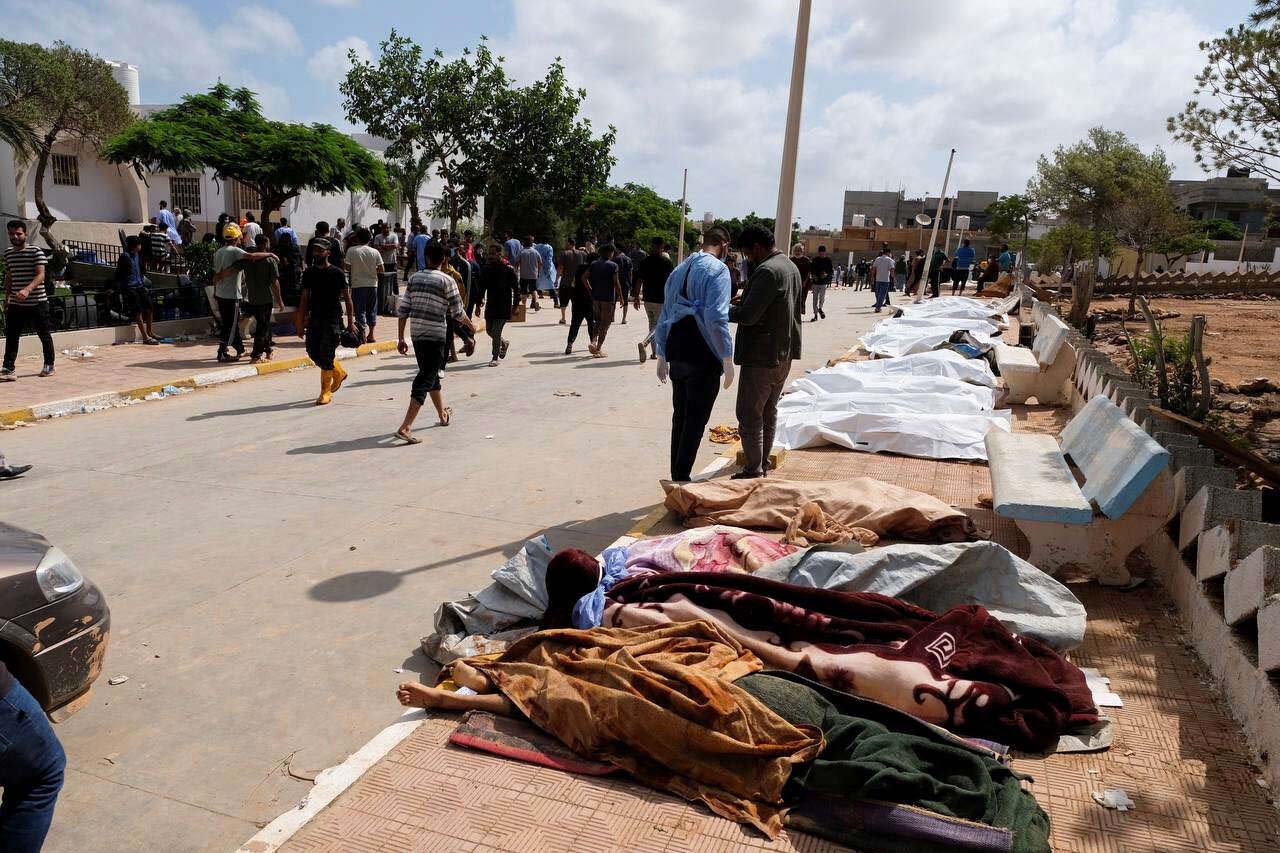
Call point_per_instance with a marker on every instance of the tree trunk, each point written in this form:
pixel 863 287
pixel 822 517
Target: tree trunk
pixel 415 215
pixel 1133 289
pixel 1082 289
pixel 45 216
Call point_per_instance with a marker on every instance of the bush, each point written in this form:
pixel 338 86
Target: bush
pixel 199 256
pixel 1183 391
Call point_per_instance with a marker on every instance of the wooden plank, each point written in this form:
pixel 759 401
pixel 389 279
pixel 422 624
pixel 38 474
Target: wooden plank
pixel 1247 459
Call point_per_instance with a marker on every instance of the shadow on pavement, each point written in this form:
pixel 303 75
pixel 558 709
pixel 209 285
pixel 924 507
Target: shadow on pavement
pixel 371 442
pixel 371 583
pixel 254 410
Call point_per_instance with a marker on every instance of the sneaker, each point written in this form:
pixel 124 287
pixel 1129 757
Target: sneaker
pixel 9 472
pixel 644 355
pixel 746 475
pixel 822 314
pixel 502 353
pixel 493 364
pixel 47 370
pixel 7 374
pixel 568 350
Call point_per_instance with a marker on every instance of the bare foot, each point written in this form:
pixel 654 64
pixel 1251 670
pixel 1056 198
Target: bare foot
pixel 413 694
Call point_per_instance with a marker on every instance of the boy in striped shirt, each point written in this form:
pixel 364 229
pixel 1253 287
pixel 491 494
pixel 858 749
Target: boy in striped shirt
pixel 26 300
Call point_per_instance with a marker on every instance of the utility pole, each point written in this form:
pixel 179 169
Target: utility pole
pixel 791 138
pixel 684 196
pixel 933 234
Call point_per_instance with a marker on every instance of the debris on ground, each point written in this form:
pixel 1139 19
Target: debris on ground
pixel 117 679
pixel 723 434
pixel 567 393
pixel 79 352
pixel 1259 385
pixel 1114 798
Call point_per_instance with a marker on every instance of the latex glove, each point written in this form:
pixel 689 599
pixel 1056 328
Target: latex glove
pixel 663 370
pixel 728 373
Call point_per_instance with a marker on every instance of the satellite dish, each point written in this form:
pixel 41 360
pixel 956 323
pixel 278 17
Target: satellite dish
pixel 924 219
pixel 879 222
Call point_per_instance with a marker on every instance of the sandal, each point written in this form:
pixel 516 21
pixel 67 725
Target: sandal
pixel 448 416
pixel 408 437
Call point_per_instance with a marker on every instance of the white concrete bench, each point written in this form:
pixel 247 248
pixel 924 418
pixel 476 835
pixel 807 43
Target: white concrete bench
pixel 1044 370
pixel 1119 494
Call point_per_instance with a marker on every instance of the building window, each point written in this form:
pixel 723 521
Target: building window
pixel 66 170
pixel 184 193
pixel 244 199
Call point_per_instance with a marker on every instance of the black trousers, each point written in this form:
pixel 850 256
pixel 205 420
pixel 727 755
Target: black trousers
pixel 229 326
pixel 262 343
pixel 431 357
pixel 19 318
pixel 581 311
pixel 322 344
pixel 693 394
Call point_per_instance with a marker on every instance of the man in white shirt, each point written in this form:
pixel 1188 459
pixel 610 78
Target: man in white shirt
pixel 882 270
pixel 251 231
pixel 364 264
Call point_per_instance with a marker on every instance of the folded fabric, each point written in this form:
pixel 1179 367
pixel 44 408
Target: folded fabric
pixel 480 622
pixel 518 740
pixel 658 703
pixel 961 669
pixel 813 526
pixel 888 511
pixel 887 781
pixel 939 577
pixel 718 548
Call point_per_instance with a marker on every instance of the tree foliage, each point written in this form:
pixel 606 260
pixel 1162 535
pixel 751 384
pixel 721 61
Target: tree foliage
pixel 52 95
pixel 538 153
pixel 1086 183
pixel 1233 118
pixel 224 130
pixel 631 212
pixel 407 175
pixel 1010 216
pixel 1146 214
pixel 428 108
pixel 1068 241
pixel 1221 229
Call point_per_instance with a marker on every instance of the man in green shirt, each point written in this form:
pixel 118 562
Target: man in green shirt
pixel 261 296
pixel 228 289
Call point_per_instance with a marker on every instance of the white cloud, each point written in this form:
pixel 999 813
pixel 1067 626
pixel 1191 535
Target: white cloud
pixel 331 63
pixel 339 2
pixel 891 88
pixel 177 50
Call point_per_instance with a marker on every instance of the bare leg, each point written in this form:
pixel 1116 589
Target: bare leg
pixel 414 695
pixel 147 318
pixel 142 328
pixel 409 417
pixel 442 411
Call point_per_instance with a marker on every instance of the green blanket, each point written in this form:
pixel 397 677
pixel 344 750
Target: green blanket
pixel 876 754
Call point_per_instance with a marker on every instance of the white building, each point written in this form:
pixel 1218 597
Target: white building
pixel 94 199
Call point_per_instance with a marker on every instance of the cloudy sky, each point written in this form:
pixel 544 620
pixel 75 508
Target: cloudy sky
pixel 891 87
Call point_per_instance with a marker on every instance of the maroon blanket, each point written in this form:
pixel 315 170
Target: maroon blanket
pixel 962 669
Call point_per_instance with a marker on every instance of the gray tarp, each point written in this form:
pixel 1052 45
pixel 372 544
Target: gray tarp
pixel 497 615
pixel 938 577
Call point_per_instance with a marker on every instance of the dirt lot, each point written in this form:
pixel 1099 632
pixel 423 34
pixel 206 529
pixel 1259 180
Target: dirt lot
pixel 1242 342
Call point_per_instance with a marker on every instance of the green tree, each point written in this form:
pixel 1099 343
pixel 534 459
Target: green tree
pixel 225 131
pixel 538 153
pixel 631 212
pixel 1221 229
pixel 1086 183
pixel 407 175
pixel 1233 118
pixel 1066 243
pixel 429 109
pixel 1010 217
pixel 1146 215
pixel 1187 239
pixel 57 94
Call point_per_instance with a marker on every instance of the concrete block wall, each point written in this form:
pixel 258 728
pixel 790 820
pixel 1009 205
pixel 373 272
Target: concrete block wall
pixel 1218 559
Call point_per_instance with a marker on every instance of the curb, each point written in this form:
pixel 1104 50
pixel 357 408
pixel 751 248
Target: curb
pixel 89 403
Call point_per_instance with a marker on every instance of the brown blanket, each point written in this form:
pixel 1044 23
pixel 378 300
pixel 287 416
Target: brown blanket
pixel 657 702
pixel 885 510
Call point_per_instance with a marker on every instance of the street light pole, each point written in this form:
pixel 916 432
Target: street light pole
pixel 791 138
pixel 933 235
pixel 684 201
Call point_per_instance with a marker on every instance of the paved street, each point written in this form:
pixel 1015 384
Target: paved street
pixel 269 565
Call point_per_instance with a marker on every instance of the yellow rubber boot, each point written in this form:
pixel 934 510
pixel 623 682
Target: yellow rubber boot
pixel 326 388
pixel 339 376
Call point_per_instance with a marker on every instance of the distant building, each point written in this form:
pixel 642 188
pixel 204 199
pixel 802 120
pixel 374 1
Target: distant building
pixel 1237 197
pixel 91 197
pixel 898 212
